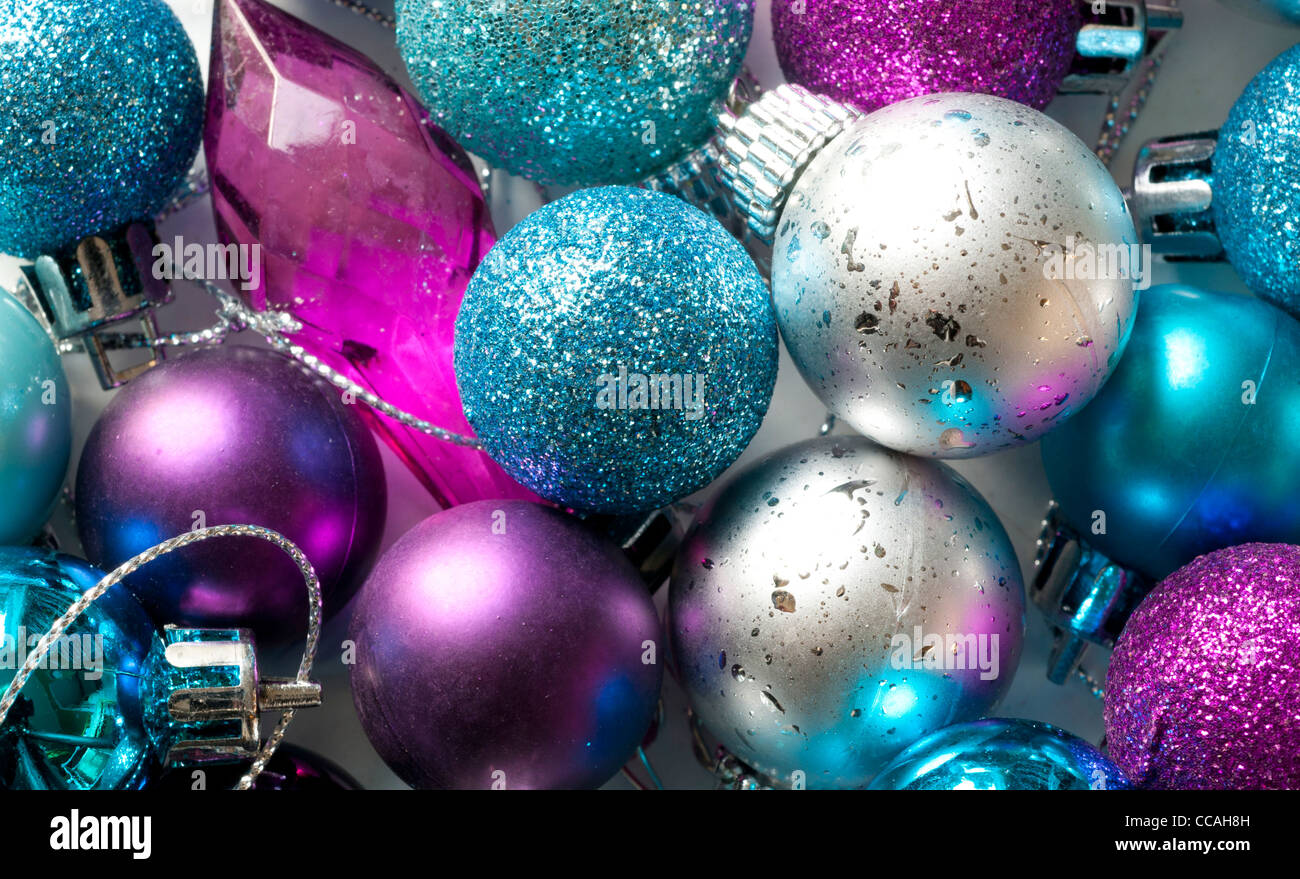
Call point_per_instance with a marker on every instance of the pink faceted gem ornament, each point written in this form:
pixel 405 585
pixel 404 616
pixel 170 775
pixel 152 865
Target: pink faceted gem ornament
pixel 369 220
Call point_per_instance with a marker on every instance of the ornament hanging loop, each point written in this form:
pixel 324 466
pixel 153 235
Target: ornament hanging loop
pixel 287 695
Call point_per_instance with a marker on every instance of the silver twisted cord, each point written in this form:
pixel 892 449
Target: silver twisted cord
pixel 1098 691
pixel 1115 126
pixel 366 11
pixel 195 186
pixel 78 607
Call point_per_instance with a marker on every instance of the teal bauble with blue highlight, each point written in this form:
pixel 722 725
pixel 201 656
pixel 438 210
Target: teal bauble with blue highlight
pixel 1256 164
pixel 573 92
pixel 1001 754
pixel 35 423
pixel 1185 450
pixel 79 722
pixel 101 112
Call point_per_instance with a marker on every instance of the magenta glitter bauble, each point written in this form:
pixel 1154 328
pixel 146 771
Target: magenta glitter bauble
pixel 369 221
pixel 503 645
pixel 1203 691
pixel 876 52
pixel 232 436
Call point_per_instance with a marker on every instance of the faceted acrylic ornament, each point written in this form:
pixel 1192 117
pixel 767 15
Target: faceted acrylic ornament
pixel 369 219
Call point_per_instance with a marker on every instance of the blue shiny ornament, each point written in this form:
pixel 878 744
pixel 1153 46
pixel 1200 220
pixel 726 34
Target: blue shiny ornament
pixel 571 91
pixel 101 111
pixel 79 722
pixel 999 754
pixel 1184 450
pixel 35 423
pixel 1257 183
pixel 616 350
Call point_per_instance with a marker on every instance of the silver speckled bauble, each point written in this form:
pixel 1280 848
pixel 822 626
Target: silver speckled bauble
pixel 953 274
pixel 835 602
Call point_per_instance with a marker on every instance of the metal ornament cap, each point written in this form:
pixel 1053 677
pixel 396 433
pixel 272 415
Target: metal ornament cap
pixel 955 275
pixel 800 592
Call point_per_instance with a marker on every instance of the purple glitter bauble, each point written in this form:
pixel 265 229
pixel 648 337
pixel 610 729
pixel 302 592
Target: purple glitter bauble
pixel 233 436
pixel 500 644
pixel 877 52
pixel 1203 691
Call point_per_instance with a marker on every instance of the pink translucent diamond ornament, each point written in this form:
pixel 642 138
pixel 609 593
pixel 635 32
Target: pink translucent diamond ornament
pixel 369 219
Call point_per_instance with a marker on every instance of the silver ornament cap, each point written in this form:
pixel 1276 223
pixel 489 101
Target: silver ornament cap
pixel 955 274
pixel 835 602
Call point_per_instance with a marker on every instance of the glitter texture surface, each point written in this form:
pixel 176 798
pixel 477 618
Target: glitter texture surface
pixel 590 298
pixel 570 91
pixel 1257 183
pixel 101 108
pixel 1204 684
pixel 876 52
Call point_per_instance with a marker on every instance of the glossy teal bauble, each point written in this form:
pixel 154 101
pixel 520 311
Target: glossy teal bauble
pixel 575 91
pixel 1001 754
pixel 35 423
pixel 1186 449
pixel 78 723
pixel 101 111
pixel 1257 183
pixel 616 351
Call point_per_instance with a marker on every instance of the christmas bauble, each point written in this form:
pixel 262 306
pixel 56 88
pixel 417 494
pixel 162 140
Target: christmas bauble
pixel 35 423
pixel 1275 11
pixel 835 602
pixel 503 645
pixel 1202 691
pixel 616 350
pixel 1256 170
pixel 876 52
pixel 954 275
pixel 290 768
pixel 368 224
pixel 999 754
pixel 79 721
pixel 572 92
pixel 223 437
pixel 1180 453
pixel 101 105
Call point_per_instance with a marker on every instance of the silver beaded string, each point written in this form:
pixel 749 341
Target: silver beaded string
pixel 369 12
pixel 1115 126
pixel 123 571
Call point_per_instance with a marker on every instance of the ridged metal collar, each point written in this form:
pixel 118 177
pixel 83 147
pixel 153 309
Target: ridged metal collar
pixel 767 147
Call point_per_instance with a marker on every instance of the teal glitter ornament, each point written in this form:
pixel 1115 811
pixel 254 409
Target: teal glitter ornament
pixel 79 722
pixel 616 350
pixel 35 423
pixel 101 111
pixel 1001 754
pixel 1256 183
pixel 570 91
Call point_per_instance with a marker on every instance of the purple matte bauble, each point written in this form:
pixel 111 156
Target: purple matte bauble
pixel 877 52
pixel 1203 691
pixel 233 436
pixel 502 644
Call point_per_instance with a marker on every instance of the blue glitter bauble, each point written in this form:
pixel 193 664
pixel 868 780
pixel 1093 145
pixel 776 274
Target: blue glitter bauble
pixel 1001 755
pixel 78 723
pixel 1257 183
pixel 1186 450
pixel 571 91
pixel 616 350
pixel 101 111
